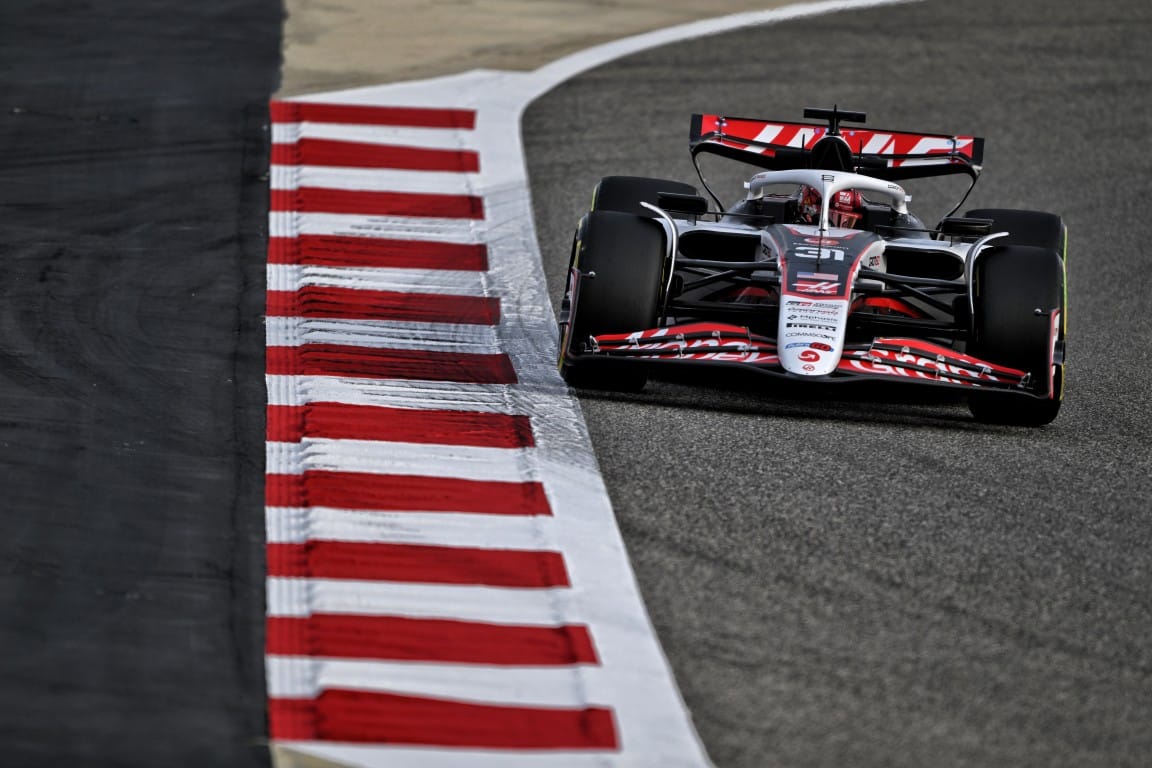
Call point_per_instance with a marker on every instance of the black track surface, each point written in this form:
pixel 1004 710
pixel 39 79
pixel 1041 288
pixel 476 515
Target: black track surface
pixel 846 578
pixel 133 148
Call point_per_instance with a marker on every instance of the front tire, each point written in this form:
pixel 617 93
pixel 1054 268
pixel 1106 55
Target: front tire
pixel 1015 291
pixel 614 286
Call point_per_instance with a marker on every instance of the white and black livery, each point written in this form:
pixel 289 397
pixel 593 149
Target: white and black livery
pixel 820 272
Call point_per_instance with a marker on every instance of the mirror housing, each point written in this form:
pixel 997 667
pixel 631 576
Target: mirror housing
pixel 675 202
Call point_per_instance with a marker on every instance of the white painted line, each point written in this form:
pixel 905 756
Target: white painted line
pixel 289 224
pixel 389 756
pixel 457 282
pixel 400 136
pixel 463 462
pixel 384 334
pixel 297 525
pixel 483 398
pixel 495 605
pixel 374 180
pixel 576 686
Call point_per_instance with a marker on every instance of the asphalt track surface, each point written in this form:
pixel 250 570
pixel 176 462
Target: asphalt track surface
pixel 837 580
pixel 133 202
pixel 852 579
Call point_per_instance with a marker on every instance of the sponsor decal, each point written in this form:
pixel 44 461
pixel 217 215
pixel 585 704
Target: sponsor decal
pixel 817 276
pixel 661 344
pixel 820 346
pixel 810 325
pixel 873 362
pixel 795 344
pixel 823 288
pixel 801 304
pixel 808 335
pixel 809 367
pixel 809 356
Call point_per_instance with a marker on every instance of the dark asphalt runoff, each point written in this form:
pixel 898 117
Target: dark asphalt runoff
pixel 847 579
pixel 133 204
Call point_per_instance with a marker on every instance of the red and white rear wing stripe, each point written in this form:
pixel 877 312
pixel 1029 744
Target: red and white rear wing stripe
pixel 892 149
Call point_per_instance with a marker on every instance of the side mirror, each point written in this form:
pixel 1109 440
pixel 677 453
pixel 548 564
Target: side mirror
pixel 674 202
pixel 955 226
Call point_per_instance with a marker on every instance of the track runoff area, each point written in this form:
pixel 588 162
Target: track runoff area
pixel 446 582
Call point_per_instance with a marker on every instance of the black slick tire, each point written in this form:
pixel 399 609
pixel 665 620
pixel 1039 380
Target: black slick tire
pixel 1016 288
pixel 620 260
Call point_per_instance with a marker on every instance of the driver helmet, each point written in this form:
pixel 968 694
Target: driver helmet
pixel 847 209
pixel 809 209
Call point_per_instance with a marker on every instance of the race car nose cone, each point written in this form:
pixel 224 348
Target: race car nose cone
pixel 811 333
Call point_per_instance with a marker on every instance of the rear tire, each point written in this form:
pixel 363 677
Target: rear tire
pixel 626 254
pixel 1011 284
pixel 625 193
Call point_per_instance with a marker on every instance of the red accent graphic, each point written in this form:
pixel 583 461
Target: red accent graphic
pixel 886 304
pixel 809 356
pixel 925 148
pixel 917 359
pixel 717 342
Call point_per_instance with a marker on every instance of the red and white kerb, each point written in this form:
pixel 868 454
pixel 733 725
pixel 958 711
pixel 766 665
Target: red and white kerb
pixel 422 607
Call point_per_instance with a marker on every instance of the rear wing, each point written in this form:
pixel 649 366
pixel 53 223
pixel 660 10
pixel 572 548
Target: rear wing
pixel 781 145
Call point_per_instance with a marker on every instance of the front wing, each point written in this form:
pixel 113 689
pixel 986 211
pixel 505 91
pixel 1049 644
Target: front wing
pixel 913 360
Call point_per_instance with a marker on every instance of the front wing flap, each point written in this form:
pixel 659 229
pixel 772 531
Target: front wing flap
pixel 912 360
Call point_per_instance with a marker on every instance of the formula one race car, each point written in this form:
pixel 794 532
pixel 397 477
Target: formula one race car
pixel 820 272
